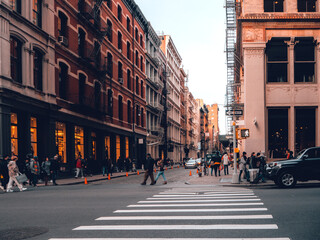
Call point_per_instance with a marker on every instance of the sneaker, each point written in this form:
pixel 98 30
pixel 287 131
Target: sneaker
pixel 143 183
pixel 152 183
pixel 9 190
pixel 165 182
pixel 23 189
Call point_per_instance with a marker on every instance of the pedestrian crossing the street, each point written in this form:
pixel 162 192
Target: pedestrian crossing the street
pixel 187 213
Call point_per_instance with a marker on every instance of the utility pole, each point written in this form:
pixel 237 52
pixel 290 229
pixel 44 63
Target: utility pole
pixel 235 178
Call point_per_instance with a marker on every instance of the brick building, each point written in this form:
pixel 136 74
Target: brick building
pixel 213 126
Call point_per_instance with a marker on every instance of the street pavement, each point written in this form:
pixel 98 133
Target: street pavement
pixel 188 207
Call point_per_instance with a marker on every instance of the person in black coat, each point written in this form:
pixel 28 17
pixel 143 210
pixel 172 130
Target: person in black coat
pixel 4 175
pixel 54 168
pixel 148 166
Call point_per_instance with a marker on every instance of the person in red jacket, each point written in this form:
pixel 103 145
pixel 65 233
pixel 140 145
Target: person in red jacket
pixel 79 166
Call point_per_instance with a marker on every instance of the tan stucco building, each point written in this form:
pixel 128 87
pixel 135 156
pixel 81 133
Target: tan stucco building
pixel 279 55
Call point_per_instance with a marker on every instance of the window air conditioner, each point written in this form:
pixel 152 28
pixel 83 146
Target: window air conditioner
pixel 63 40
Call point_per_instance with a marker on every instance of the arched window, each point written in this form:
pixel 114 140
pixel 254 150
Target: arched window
pixel 120 108
pixel 97 95
pixel 142 117
pixel 136 34
pixel 82 85
pixel 119 41
pixel 141 88
pixel 128 50
pixel 137 58
pixel 128 24
pixel 137 115
pixel 109 4
pixel 81 42
pixel 16 59
pixel 63 80
pixel 37 69
pixel 120 72
pixel 97 52
pixel 119 13
pixel 37 12
pixel 137 85
pixel 129 79
pixel 110 102
pixel 141 40
pixel 129 114
pixel 109 30
pixel 141 63
pixel 109 65
pixel 63 28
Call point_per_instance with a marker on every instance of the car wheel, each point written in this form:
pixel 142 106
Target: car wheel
pixel 286 180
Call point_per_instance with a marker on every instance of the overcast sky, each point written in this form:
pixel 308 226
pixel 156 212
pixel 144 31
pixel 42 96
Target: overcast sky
pixel 198 32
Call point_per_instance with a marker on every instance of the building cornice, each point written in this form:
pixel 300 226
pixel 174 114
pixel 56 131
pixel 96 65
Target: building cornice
pixel 287 17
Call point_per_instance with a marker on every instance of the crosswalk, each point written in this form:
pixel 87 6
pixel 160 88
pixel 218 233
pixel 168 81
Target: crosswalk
pixel 188 213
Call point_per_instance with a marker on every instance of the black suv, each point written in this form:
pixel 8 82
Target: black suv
pixel 306 166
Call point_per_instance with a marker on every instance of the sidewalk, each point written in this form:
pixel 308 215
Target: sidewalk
pixel 95 178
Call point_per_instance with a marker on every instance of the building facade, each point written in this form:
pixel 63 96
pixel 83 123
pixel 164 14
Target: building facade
pixel 280 83
pixel 27 98
pixel 213 127
pixel 173 63
pixel 154 88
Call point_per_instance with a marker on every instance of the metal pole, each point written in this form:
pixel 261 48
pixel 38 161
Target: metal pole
pixel 235 178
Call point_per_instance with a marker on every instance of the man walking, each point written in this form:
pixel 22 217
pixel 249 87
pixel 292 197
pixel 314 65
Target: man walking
pixel 225 160
pixel 160 164
pixel 148 166
pixel 54 167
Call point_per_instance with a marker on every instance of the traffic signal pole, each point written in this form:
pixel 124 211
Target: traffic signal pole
pixel 235 178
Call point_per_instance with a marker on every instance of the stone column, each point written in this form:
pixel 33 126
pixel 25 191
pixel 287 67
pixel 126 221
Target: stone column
pixel 5 129
pixel 318 82
pixel 291 110
pixel 254 96
pixel 291 6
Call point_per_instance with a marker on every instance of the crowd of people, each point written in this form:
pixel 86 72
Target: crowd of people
pixel 33 169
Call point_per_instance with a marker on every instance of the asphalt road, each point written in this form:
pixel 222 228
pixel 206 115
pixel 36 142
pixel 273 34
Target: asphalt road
pixel 53 212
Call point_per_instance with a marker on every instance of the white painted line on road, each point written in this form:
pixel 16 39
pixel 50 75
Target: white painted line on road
pixel 208 195
pixel 195 205
pixel 169 238
pixel 190 210
pixel 167 198
pixel 204 200
pixel 202 193
pixel 225 217
pixel 178 227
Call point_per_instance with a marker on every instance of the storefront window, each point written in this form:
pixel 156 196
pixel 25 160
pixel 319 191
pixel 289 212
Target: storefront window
pixel 33 134
pixel 79 141
pixel 127 147
pixel 14 133
pixel 118 146
pixel 107 146
pixel 94 145
pixel 61 141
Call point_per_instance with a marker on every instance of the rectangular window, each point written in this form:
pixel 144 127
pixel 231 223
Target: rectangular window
pixel 141 92
pixel 63 80
pixel 109 65
pixel 273 5
pixel 78 141
pixel 118 147
pixel 129 79
pixel 61 141
pixel 127 147
pixel 137 115
pixel 37 69
pixel 81 42
pixel 16 5
pixel 137 85
pixel 82 84
pixel 37 12
pixel 142 117
pixel 128 50
pixel 120 108
pixel 277 61
pixel 109 30
pixel 141 63
pixel 110 102
pixel 33 134
pixel 304 61
pixel 278 132
pixel 307 5
pixel 14 133
pixel 120 72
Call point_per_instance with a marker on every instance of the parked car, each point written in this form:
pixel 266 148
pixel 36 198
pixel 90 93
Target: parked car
pixel 305 167
pixel 191 163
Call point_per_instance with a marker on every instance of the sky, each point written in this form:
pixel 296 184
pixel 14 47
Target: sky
pixel 198 32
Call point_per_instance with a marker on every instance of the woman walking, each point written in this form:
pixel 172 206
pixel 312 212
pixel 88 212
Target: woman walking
pixel 225 160
pixel 13 173
pixel 161 171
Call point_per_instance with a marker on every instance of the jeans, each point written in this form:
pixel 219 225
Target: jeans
pixel 226 169
pixel 11 180
pixel 148 173
pixel 34 179
pixel 54 177
pixel 78 171
pixel 216 169
pixel 159 174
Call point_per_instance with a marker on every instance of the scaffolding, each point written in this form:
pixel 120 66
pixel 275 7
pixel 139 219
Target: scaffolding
pixel 231 38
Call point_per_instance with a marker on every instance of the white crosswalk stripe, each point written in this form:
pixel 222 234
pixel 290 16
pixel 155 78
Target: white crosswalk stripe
pixel 214 210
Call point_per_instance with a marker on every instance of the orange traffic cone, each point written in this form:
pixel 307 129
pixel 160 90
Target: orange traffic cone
pixel 197 171
pixel 109 176
pixel 178 166
pixel 126 174
pixel 138 173
pixel 190 174
pixel 85 181
pixel 171 167
pixel 155 170
pixel 166 168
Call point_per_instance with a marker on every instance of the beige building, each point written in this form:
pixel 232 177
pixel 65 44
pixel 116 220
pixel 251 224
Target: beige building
pixel 213 126
pixel 279 54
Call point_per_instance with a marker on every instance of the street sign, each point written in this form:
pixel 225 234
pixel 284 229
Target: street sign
pixel 245 133
pixel 236 112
